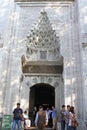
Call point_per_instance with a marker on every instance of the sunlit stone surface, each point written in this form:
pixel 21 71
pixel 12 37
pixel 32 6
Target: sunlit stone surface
pixel 68 22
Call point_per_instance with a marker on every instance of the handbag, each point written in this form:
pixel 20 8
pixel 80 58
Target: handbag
pixel 74 123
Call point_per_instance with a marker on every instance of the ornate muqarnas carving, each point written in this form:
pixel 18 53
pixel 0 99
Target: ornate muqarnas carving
pixel 43 37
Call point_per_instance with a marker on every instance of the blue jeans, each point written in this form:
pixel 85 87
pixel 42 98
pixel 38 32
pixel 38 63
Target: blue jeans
pixel 71 128
pixel 67 127
pixel 18 123
pixel 62 125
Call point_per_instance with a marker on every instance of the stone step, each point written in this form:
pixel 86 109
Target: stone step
pixel 35 128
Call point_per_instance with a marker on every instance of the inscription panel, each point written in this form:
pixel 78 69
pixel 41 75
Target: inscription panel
pixel 43 69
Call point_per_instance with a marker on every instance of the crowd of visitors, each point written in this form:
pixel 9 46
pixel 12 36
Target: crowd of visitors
pixel 46 118
pixel 68 118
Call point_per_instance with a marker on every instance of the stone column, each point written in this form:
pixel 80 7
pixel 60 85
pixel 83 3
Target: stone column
pixel 59 93
pixel 24 94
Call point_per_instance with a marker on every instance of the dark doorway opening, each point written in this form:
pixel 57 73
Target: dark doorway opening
pixel 41 94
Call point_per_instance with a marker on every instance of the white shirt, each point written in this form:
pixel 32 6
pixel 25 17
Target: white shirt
pixel 70 115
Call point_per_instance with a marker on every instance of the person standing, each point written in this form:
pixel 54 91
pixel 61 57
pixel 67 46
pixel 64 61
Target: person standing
pixel 67 116
pixel 48 112
pixel 34 115
pixel 41 119
pixel 63 117
pixel 72 117
pixel 17 117
pixel 54 117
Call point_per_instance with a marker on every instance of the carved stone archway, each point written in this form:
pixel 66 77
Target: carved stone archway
pixel 54 81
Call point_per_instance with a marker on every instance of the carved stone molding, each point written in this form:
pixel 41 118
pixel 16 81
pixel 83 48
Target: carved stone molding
pixel 41 0
pixel 53 81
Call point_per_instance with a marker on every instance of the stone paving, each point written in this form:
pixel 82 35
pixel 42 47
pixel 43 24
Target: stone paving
pixel 35 128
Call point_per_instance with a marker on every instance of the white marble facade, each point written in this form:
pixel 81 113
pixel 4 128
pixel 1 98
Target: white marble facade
pixel 16 21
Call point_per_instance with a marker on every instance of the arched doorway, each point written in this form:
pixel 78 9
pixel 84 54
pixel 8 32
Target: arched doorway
pixel 41 94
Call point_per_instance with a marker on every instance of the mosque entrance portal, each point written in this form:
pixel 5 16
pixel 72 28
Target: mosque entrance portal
pixel 43 63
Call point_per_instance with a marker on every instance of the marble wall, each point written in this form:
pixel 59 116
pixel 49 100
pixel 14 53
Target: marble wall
pixel 16 21
pixel 82 5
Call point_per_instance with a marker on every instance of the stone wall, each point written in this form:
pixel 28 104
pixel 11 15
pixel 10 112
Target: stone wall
pixel 83 39
pixel 16 20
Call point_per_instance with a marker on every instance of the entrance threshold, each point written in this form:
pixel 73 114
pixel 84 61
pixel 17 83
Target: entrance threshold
pixel 35 128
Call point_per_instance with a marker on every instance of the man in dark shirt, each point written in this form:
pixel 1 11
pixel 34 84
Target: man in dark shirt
pixel 63 117
pixel 17 117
